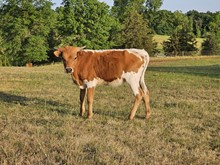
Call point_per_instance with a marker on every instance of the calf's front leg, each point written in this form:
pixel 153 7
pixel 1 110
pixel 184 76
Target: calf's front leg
pixel 82 101
pixel 90 99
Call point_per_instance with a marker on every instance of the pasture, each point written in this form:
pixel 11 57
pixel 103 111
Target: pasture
pixel 40 122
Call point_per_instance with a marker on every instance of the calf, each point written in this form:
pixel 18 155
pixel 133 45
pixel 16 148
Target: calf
pixel 90 68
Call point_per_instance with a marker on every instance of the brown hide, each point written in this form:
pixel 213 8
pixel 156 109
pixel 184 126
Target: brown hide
pixel 107 65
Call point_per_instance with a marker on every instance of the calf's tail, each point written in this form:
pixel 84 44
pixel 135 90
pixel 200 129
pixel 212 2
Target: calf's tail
pixel 142 82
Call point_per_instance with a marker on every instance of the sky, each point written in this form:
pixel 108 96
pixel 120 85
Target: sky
pixel 181 5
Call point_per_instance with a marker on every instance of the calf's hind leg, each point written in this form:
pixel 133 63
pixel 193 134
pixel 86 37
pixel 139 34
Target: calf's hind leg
pixel 146 98
pixel 138 98
pixel 140 92
pixel 137 91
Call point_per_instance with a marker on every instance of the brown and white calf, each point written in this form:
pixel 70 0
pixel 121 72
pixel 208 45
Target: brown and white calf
pixel 90 68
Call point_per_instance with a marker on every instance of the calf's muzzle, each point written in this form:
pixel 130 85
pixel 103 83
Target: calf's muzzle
pixel 69 70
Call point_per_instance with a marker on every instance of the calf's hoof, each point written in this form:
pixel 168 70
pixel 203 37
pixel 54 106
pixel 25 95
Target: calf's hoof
pixel 147 116
pixel 130 117
pixel 89 116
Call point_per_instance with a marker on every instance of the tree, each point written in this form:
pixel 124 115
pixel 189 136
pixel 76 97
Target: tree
pixel 163 23
pixel 211 45
pixel 180 43
pixel 3 58
pixel 181 21
pixel 25 28
pixel 121 10
pixel 85 22
pixel 153 5
pixel 121 7
pixel 118 8
pixel 136 33
pixel 151 11
pixel 214 26
pixel 67 24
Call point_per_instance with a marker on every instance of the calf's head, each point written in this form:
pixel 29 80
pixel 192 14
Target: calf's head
pixel 68 55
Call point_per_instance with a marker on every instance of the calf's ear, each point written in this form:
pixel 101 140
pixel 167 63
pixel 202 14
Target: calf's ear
pixel 81 48
pixel 57 53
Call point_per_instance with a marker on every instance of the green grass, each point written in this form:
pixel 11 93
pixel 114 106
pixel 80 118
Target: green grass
pixel 160 39
pixel 39 121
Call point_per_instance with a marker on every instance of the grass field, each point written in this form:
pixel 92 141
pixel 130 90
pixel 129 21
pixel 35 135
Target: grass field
pixel 39 121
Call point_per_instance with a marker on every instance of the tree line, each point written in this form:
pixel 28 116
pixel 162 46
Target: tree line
pixel 30 29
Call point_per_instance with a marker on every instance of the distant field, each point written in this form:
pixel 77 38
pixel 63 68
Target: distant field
pixel 161 38
pixel 39 121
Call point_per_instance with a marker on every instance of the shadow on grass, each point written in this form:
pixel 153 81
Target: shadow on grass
pixel 212 71
pixel 62 109
pixel 120 113
pixel 50 105
pixel 113 113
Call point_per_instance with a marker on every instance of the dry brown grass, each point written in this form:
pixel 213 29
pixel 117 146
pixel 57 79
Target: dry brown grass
pixel 39 121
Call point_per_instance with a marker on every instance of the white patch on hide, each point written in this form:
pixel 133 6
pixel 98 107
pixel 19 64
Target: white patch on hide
pixel 133 79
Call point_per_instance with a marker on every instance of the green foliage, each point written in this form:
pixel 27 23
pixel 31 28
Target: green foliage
pixel 200 22
pixel 66 21
pixel 215 24
pixel 166 22
pixel 121 7
pixel 153 5
pixel 35 49
pixel 85 22
pixel 25 27
pixel 136 33
pixel 181 21
pixel 211 46
pixel 3 58
pixel 180 43
pixel 163 22
pixel 151 11
pixel 30 29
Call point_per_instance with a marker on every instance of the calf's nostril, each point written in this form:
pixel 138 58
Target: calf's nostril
pixel 69 70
